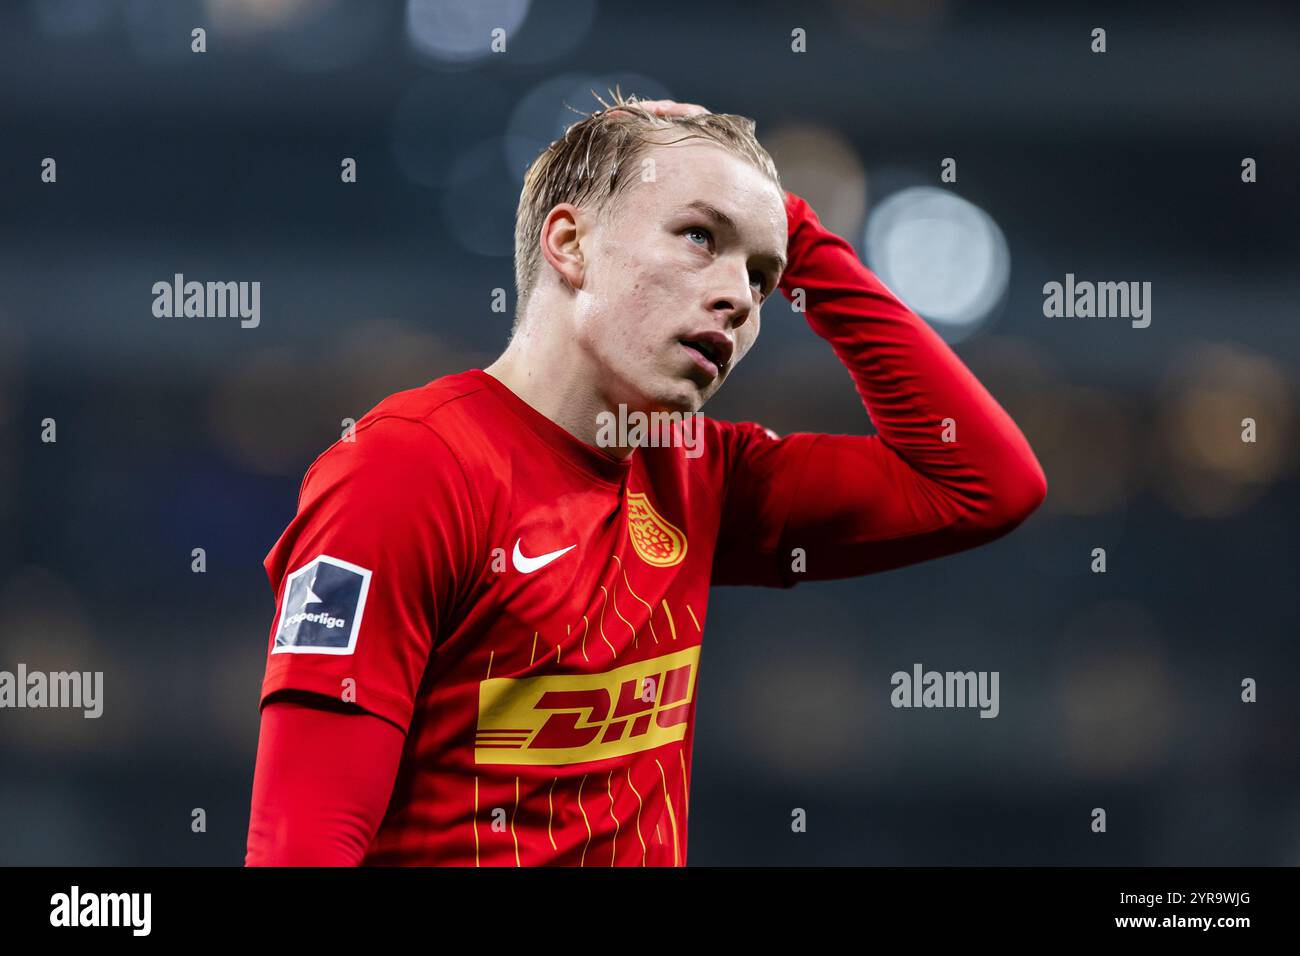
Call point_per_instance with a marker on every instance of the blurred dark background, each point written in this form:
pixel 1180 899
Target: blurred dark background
pixel 1118 690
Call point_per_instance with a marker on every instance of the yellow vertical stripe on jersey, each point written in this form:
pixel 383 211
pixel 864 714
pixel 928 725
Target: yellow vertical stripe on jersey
pixel 668 801
pixel 583 860
pixel 671 626
pixel 613 856
pixel 639 805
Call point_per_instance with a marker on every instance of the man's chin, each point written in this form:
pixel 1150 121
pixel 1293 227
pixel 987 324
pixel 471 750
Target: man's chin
pixel 687 397
pixel 682 395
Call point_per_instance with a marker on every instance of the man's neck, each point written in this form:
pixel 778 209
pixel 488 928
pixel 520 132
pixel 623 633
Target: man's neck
pixel 559 386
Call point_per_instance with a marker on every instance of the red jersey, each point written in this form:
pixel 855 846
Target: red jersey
pixel 529 609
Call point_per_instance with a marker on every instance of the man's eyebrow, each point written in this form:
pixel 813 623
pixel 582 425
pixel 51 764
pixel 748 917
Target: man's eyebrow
pixel 714 213
pixel 720 217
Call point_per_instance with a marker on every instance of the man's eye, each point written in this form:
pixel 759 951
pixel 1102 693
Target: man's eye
pixel 699 231
pixel 758 279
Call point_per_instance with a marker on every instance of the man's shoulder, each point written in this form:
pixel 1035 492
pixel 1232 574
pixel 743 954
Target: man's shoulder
pixel 436 425
pixel 729 440
pixel 738 431
pixel 394 473
pixel 441 404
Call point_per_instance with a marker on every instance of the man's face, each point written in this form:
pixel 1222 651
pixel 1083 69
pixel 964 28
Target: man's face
pixel 676 274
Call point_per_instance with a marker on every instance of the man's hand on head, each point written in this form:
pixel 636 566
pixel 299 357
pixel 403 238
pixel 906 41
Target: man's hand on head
pixel 668 108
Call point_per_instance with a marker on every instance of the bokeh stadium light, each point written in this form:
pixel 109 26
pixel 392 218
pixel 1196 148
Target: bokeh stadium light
pixel 820 165
pixel 455 35
pixel 1205 469
pixel 1068 425
pixel 478 205
pixel 454 32
pixel 250 17
pixel 942 255
pixel 304 36
pixel 45 624
pixel 1091 450
pixel 549 108
pixel 1116 693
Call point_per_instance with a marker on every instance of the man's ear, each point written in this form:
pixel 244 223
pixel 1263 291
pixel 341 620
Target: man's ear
pixel 563 233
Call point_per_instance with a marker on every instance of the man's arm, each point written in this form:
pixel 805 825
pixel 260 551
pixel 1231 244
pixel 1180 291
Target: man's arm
pixel 322 783
pixel 861 504
pixel 372 565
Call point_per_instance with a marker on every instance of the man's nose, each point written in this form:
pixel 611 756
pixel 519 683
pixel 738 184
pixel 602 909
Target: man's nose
pixel 734 298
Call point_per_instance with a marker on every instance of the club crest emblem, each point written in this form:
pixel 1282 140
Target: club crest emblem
pixel 658 542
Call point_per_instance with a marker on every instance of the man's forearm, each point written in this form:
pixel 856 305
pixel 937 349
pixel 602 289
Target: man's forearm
pixel 321 785
pixel 926 405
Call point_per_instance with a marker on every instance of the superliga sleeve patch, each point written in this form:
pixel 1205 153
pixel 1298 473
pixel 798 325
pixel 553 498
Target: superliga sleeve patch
pixel 323 604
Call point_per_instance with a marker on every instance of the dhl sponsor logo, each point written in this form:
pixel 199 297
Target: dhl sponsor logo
pixel 573 718
pixel 656 540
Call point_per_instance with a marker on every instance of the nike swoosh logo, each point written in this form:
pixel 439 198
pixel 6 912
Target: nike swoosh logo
pixel 526 565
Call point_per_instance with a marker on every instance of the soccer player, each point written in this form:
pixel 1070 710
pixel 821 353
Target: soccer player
pixel 486 646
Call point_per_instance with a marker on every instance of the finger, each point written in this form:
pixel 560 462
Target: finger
pixel 672 108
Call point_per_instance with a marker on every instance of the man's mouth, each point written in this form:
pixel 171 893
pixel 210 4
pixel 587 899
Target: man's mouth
pixel 711 351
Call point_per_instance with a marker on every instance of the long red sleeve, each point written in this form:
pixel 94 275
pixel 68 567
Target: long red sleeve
pixel 321 785
pixel 383 533
pixel 860 504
